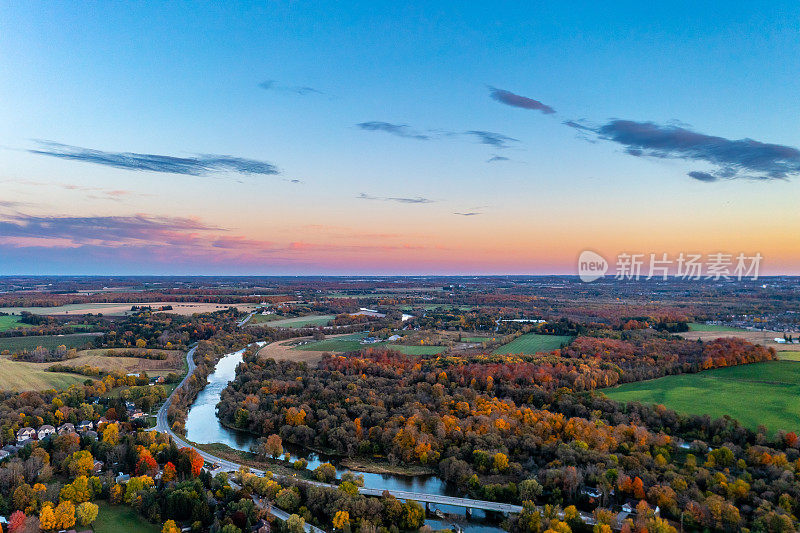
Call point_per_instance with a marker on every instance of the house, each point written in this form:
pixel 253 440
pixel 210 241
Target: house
pixel 25 434
pixel 10 448
pixel 122 478
pixel 130 406
pixel 394 338
pixel 136 415
pixel 46 431
pixel 4 454
pixel 370 340
pixel 63 429
pixel 591 492
pixel 86 425
pixel 97 467
pixel 90 434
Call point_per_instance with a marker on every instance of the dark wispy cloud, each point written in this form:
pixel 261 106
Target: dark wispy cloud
pixel 496 158
pixel 106 229
pixel 400 130
pixel 199 165
pixel 497 140
pixel 401 200
pixel 302 90
pixel 729 158
pixel 516 100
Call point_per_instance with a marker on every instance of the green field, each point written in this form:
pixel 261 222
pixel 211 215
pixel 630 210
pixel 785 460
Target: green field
pixel 476 339
pixel 755 394
pixel 261 319
pixel 532 343
pixel 789 356
pixel 11 322
pixel 696 326
pixel 113 518
pixel 51 342
pixel 20 376
pixel 350 343
pixel 303 321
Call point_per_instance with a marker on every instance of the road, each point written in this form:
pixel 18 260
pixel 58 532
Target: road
pixel 223 465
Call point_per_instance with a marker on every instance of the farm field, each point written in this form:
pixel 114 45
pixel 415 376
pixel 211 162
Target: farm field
pixel 11 322
pixel 697 326
pixel 476 339
pixel 764 338
pixel 155 367
pixel 261 319
pixel 342 343
pixel 51 342
pixel 532 343
pixel 755 394
pixel 114 518
pixel 303 321
pixel 789 355
pixel 121 309
pixel 20 376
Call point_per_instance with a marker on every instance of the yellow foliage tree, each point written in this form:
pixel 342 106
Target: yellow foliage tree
pixel 341 519
pixel 500 461
pixel 65 515
pixel 111 434
pixel 170 527
pixel 47 518
pixel 87 513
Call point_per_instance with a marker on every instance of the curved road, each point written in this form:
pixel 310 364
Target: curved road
pixel 223 465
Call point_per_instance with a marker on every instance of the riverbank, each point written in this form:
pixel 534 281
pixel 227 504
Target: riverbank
pixel 381 467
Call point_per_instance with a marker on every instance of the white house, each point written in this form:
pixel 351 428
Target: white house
pixel 63 429
pixel 45 431
pixel 25 434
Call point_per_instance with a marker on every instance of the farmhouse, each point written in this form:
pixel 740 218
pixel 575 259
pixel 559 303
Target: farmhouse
pixel 46 431
pixel 25 434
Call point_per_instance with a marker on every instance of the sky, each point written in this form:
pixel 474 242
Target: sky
pixel 395 138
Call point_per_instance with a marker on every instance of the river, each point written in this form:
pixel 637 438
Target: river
pixel 203 427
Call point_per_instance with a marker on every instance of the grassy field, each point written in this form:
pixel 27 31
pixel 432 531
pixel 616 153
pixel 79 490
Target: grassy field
pixel 760 393
pixel 11 322
pixel 415 350
pixel 789 356
pixel 76 340
pixel 113 518
pixel 261 319
pixel 531 343
pixel 122 309
pixel 303 321
pixel 21 376
pixel 344 343
pixel 476 339
pixel 696 326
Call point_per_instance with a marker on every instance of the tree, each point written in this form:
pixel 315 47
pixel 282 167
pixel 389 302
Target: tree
pixel 500 461
pixel 529 489
pixel 80 463
pixel 111 434
pixel 47 518
pixel 413 515
pixel 272 446
pixel 341 519
pixel 170 527
pixel 87 513
pixel 169 473
pixel 287 499
pixel 325 472
pixel 65 515
pixel 17 522
pixel 295 524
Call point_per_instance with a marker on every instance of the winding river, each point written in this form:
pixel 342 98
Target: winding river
pixel 203 427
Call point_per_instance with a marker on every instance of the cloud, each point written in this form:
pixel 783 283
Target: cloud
pixel 400 130
pixel 516 100
pixel 702 176
pixel 302 90
pixel 199 165
pixel 468 214
pixel 416 200
pixel 496 158
pixel 107 230
pixel 493 139
pixel 730 158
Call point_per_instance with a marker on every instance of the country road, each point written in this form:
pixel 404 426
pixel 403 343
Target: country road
pixel 223 465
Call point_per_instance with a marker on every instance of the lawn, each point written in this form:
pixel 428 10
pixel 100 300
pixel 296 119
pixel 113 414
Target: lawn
pixel 303 321
pixel 51 342
pixel 755 394
pixel 11 322
pixel 20 376
pixel 350 343
pixel 113 518
pixel 532 343
pixel 260 319
pixel 696 326
pixel 789 356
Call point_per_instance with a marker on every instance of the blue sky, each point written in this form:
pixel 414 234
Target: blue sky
pixel 289 83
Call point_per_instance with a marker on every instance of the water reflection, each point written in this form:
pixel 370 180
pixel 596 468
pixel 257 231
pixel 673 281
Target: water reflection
pixel 203 427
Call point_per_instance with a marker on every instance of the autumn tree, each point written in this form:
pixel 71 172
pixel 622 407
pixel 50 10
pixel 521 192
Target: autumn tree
pixel 170 527
pixel 272 446
pixel 86 513
pixel 47 518
pixel 65 515
pixel 341 520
